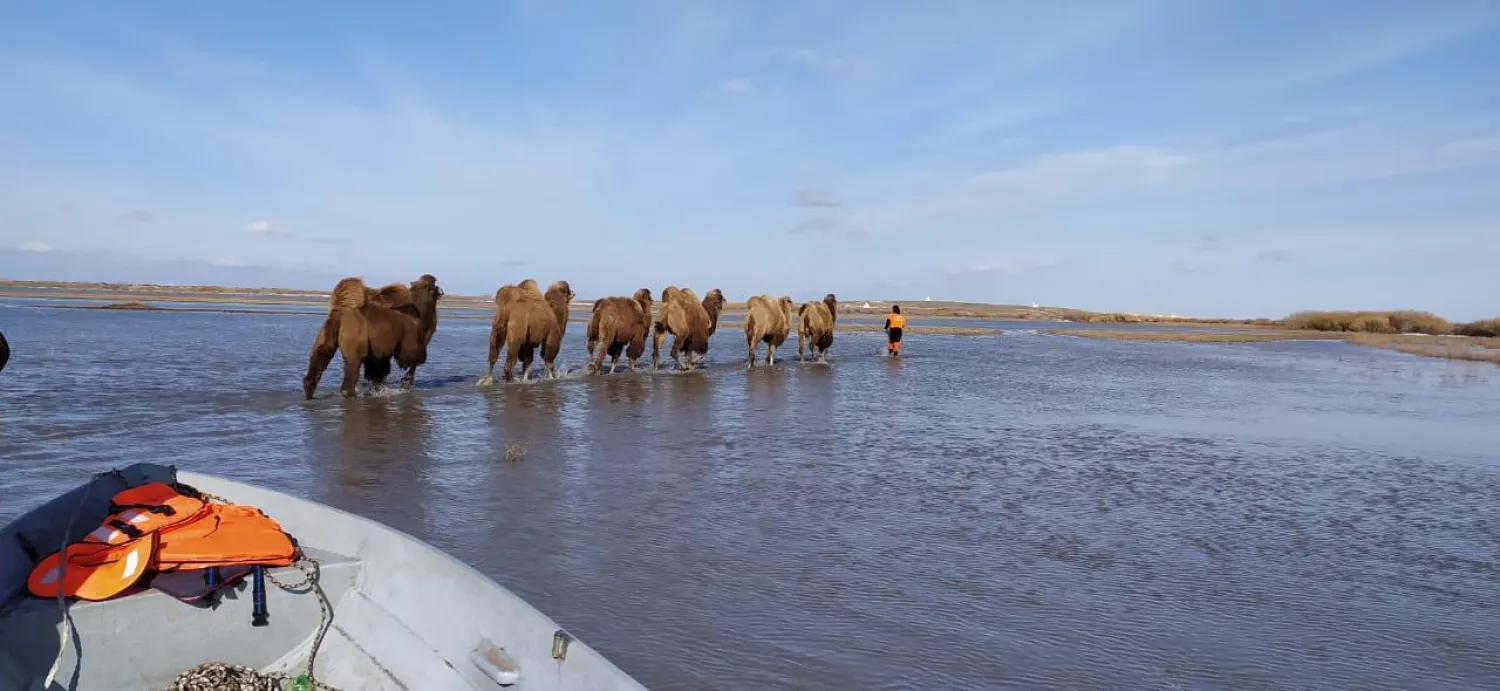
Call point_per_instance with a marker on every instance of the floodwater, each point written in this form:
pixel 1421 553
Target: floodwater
pixel 1022 511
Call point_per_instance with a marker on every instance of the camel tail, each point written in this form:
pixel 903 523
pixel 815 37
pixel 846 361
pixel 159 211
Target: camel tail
pixel 349 294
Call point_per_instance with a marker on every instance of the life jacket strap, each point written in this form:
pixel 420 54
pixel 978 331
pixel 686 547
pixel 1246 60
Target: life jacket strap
pixel 129 530
pixel 153 508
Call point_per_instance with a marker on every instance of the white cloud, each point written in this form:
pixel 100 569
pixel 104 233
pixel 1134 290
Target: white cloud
pixel 260 228
pixel 733 85
pixel 817 61
pixel 228 261
pixel 35 246
pixel 1003 266
pixel 1484 146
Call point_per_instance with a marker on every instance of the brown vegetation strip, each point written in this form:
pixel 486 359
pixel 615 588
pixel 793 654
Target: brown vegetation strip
pixel 929 330
pixel 1450 347
pixel 1246 336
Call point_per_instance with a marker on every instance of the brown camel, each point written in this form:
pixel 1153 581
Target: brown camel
pixel 368 328
pixel 713 303
pixel 683 316
pixel 816 327
pixel 525 319
pixel 619 324
pixel 769 321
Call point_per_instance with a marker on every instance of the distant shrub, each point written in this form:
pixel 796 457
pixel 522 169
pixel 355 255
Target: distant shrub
pixel 1484 328
pixel 1412 322
pixel 1405 321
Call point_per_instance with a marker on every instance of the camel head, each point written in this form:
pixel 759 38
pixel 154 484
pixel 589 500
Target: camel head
pixel 670 293
pixel 643 296
pixel 788 307
pixel 561 289
pixel 714 300
pixel 832 301
pixel 426 283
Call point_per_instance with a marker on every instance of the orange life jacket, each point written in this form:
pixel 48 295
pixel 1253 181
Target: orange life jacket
pixel 898 321
pixel 160 528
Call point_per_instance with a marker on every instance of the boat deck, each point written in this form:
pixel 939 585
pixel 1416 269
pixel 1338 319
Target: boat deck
pixel 174 635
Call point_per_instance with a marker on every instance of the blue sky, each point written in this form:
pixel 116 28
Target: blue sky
pixel 1203 157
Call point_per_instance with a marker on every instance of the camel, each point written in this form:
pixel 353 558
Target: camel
pixel 769 321
pixel 526 319
pixel 713 303
pixel 369 327
pixel 4 351
pixel 619 324
pixel 817 322
pixel 683 316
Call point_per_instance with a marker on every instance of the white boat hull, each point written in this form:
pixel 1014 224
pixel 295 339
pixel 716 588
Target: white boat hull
pixel 405 616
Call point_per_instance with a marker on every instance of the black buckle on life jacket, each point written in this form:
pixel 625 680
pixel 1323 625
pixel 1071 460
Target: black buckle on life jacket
pixel 153 508
pixel 126 528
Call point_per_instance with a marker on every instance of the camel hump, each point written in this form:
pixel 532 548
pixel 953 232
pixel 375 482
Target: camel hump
pixel 500 295
pixel 349 294
pixel 529 285
pixel 394 295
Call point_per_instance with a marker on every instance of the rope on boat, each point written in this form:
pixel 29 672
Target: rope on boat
pixel 210 676
pixel 223 676
pixel 62 573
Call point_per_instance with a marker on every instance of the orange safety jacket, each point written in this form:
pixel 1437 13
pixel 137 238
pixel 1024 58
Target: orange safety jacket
pixel 896 321
pixel 159 527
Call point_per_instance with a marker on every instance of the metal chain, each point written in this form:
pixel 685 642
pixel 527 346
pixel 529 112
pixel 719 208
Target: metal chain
pixel 220 676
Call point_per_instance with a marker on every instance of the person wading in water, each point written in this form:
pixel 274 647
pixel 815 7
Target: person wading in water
pixel 895 323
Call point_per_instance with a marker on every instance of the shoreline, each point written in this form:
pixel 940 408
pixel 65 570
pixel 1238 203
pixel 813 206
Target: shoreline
pixel 1469 348
pixel 576 317
pixel 124 292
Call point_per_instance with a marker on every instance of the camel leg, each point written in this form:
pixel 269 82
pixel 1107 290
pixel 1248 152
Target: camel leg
pixel 615 362
pixel 596 357
pixel 351 376
pixel 750 346
pixel 677 355
pixel 657 339
pixel 324 346
pixel 317 361
pixel 549 356
pixel 528 354
pixel 510 363
pixel 770 354
pixel 495 342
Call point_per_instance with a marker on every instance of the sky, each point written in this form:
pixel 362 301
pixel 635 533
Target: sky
pixel 1203 157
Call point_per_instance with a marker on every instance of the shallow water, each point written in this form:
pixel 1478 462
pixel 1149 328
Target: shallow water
pixel 1020 511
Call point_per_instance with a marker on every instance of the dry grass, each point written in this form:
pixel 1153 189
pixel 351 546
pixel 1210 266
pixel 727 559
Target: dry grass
pixel 132 305
pixel 927 330
pixel 1246 336
pixel 1450 347
pixel 1398 322
pixel 1489 328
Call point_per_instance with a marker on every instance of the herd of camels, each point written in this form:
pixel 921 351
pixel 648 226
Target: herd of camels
pixel 370 328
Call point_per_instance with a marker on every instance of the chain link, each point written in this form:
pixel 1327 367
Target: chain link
pixel 222 676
